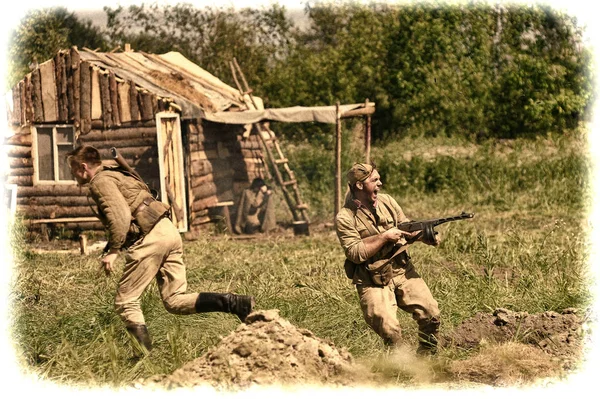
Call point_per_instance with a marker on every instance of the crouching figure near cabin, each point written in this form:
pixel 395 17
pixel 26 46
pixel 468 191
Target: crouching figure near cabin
pixel 140 226
pixel 255 212
pixel 378 262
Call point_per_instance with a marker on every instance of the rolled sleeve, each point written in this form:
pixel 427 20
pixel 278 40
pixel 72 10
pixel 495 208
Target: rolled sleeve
pixel 354 248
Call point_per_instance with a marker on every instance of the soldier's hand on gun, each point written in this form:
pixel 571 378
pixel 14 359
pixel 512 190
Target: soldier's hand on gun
pixel 108 261
pixel 394 234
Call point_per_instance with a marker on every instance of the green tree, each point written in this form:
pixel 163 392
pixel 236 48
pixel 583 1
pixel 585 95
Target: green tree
pixel 210 37
pixel 42 33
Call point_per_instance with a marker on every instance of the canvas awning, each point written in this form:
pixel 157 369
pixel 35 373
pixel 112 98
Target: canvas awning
pixel 323 114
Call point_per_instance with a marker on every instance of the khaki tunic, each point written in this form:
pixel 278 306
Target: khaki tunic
pixel 158 255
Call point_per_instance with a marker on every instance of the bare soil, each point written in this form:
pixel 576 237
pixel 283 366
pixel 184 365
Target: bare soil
pixel 268 350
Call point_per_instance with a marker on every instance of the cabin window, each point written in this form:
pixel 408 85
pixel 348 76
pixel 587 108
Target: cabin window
pixel 52 144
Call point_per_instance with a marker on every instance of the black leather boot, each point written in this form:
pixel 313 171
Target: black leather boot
pixel 428 341
pixel 140 333
pixel 239 305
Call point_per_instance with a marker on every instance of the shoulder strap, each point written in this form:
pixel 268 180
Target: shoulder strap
pixel 391 210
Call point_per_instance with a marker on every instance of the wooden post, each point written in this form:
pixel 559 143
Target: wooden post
pixel 83 247
pixel 367 135
pixel 338 159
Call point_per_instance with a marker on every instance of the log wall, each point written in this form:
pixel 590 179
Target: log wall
pixel 67 90
pixel 221 163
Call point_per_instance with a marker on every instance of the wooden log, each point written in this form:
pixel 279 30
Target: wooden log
pixel 96 98
pixel 57 201
pixel 137 142
pixel 105 100
pixel 204 191
pixel 134 109
pixel 19 139
pixel 53 211
pixel 134 153
pixel 114 99
pixel 122 133
pixel 49 91
pixel 42 190
pixel 61 86
pixel 28 100
pixel 204 203
pixel 86 97
pixel 20 180
pixel 18 151
pixel 201 180
pixel 85 226
pixel 36 96
pixel 20 162
pixel 75 70
pixel 146 109
pixel 28 171
pixel 200 167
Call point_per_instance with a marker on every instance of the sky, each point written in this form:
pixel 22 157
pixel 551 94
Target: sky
pixel 586 13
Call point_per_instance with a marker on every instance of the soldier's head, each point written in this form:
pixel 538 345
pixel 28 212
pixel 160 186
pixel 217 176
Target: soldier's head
pixel 84 161
pixel 364 182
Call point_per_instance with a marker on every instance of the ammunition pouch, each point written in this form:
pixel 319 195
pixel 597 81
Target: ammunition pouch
pixel 148 213
pixel 381 271
pixel 349 268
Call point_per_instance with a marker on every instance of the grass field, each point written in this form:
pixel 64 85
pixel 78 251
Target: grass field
pixel 525 250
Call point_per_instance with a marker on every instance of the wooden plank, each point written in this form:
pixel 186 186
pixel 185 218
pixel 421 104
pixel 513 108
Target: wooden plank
pixel 75 71
pixel 134 108
pixel 96 99
pixel 105 100
pixel 146 108
pixel 69 86
pixel 28 100
pixel 61 87
pixel 36 96
pixel 86 97
pixel 114 99
pixel 49 99
pixel 124 98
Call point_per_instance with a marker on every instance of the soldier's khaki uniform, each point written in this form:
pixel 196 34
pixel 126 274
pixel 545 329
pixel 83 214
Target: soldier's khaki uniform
pixel 138 223
pixel 158 255
pixel 406 289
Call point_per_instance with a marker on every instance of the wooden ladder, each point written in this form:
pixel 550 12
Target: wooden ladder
pixel 278 161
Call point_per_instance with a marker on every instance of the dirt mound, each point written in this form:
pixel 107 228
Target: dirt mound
pixel 268 350
pixel 557 334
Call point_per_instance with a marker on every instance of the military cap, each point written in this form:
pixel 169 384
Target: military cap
pixel 359 172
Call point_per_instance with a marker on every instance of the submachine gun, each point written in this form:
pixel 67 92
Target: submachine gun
pixel 428 233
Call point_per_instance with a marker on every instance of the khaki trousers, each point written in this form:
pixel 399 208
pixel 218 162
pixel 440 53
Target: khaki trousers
pixel 408 292
pixel 158 255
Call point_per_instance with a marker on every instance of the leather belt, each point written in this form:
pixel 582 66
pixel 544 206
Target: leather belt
pixel 145 203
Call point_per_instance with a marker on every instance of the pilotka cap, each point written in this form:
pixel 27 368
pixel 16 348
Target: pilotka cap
pixel 359 172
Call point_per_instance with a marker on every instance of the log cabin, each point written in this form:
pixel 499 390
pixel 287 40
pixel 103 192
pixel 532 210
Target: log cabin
pixel 149 107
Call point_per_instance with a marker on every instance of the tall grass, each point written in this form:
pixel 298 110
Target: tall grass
pixel 525 250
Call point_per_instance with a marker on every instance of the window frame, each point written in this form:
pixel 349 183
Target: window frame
pixel 55 154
